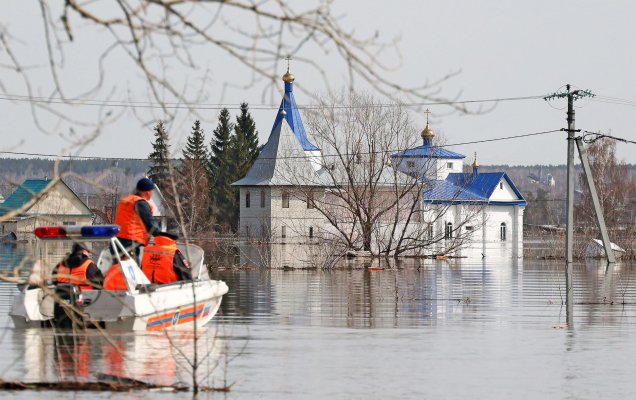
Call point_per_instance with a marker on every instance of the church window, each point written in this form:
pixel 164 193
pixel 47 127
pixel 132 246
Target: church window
pixel 264 233
pixel 247 200
pixel 449 165
pixel 311 232
pixel 502 231
pixel 448 233
pixel 410 164
pixel 247 230
pixel 500 185
pixel 285 199
pixel 310 199
pixel 469 228
pixel 283 231
pixel 262 199
pixel 429 232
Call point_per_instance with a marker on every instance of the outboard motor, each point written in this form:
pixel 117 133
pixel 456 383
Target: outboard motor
pixel 68 299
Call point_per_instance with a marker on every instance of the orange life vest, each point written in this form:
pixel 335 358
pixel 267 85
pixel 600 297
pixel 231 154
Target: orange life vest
pixel 115 279
pixel 132 227
pixel 158 260
pixel 75 276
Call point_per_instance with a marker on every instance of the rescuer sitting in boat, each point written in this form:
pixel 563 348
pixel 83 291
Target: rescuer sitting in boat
pixel 78 269
pixel 115 279
pixel 163 262
pixel 134 217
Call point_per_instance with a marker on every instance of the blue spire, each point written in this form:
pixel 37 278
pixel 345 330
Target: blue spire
pixel 292 115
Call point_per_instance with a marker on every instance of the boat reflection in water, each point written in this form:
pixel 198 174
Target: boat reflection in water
pixel 160 358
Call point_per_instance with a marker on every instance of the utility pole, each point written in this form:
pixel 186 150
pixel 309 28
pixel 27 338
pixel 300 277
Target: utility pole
pixel 573 95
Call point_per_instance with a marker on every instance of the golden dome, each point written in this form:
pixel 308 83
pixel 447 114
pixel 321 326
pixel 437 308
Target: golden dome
pixel 427 133
pixel 475 165
pixel 288 77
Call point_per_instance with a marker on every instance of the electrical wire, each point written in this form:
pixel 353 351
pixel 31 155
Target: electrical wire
pixel 293 157
pixel 219 106
pixel 588 139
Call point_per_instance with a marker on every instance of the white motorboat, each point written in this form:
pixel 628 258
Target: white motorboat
pixel 142 307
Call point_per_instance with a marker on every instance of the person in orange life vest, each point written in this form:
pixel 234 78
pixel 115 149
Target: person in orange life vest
pixel 78 268
pixel 134 217
pixel 163 261
pixel 115 279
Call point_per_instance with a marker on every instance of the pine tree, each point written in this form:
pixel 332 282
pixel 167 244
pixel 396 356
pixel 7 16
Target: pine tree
pixel 243 150
pixel 195 145
pixel 219 167
pixel 159 158
pixel 193 183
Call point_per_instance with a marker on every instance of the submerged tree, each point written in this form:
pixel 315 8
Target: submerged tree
pixel 369 203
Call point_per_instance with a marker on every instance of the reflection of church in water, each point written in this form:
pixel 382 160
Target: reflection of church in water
pixel 271 212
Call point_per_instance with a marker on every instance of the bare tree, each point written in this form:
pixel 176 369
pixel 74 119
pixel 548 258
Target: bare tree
pixel 369 203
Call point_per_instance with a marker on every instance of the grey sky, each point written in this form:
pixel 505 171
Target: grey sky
pixel 503 49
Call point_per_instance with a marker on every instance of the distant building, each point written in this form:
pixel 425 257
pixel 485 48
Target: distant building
pixel 541 178
pixel 275 205
pixel 40 202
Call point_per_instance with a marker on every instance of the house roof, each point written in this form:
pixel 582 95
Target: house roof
pixel 292 116
pixel 23 194
pixel 282 162
pixel 427 151
pixel 29 189
pixel 470 188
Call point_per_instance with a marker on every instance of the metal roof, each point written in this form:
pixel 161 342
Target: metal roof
pixel 23 194
pixel 426 151
pixel 469 188
pixel 292 116
pixel 282 162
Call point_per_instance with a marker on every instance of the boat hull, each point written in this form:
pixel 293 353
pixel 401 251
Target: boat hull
pixel 176 305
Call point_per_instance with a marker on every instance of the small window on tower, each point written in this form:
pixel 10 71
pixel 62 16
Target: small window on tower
pixel 500 185
pixel 311 232
pixel 410 164
pixel 285 199
pixel 247 200
pixel 262 199
pixel 449 165
pixel 310 199
pixel 283 231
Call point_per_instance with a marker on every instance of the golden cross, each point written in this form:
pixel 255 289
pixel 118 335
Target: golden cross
pixel 427 112
pixel 288 58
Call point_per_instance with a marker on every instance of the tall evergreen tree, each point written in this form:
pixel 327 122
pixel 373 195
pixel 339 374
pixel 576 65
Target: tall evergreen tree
pixel 195 145
pixel 193 183
pixel 220 166
pixel 243 150
pixel 159 158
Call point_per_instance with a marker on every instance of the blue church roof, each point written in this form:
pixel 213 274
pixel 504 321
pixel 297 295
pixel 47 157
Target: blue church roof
pixel 428 151
pixel 23 194
pixel 469 188
pixel 293 118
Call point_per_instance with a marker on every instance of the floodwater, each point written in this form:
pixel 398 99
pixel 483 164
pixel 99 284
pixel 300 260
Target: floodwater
pixel 453 329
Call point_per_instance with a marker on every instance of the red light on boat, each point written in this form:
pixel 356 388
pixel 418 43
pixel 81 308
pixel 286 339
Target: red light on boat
pixel 50 232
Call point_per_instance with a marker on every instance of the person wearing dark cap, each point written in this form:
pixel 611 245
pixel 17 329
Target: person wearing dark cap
pixel 134 217
pixel 78 269
pixel 163 262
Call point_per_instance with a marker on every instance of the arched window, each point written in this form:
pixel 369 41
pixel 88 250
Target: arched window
pixel 247 199
pixel 502 231
pixel 262 199
pixel 285 199
pixel 448 233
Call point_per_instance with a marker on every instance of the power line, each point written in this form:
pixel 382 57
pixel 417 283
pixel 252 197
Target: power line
pixel 219 106
pixel 70 157
pixel 588 139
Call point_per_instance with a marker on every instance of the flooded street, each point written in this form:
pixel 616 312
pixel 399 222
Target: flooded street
pixel 425 329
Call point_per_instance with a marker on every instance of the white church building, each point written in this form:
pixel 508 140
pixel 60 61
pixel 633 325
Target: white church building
pixel 481 212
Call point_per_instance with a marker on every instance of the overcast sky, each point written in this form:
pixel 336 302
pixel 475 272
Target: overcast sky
pixel 503 49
